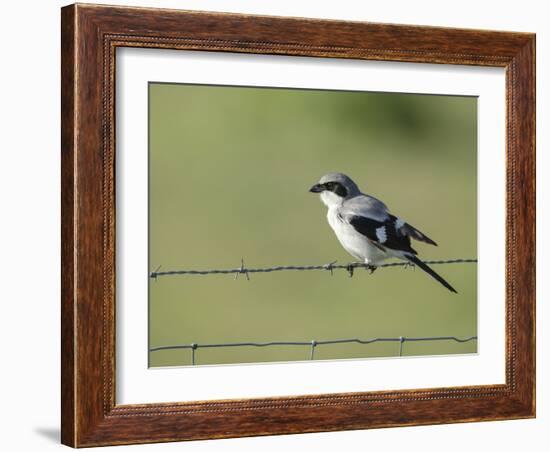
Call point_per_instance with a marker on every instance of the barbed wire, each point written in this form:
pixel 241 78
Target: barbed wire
pixel 312 344
pixel 331 266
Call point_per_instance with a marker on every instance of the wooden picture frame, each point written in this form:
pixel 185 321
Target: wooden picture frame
pixel 90 36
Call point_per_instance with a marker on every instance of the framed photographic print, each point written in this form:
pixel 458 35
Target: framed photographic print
pixel 282 225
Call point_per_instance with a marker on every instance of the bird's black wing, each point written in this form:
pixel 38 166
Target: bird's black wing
pixel 383 234
pixel 407 229
pixel 388 234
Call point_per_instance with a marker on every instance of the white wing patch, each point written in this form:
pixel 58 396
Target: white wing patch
pixel 399 223
pixel 381 234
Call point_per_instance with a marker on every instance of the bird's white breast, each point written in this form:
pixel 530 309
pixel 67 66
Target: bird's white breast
pixel 354 242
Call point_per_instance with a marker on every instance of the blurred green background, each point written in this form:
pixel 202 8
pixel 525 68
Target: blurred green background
pixel 229 173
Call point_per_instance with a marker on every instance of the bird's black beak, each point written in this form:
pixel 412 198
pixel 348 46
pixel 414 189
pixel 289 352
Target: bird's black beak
pixel 317 188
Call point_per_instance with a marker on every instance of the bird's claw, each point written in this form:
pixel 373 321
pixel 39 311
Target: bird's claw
pixel 352 265
pixel 371 268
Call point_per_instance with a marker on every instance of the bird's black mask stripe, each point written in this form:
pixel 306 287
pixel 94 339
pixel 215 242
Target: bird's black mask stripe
pixel 336 187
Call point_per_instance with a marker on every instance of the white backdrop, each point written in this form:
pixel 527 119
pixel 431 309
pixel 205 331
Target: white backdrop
pixel 29 262
pixel 137 384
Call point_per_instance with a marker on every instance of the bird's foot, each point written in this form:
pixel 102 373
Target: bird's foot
pixel 353 265
pixel 371 268
pixel 408 265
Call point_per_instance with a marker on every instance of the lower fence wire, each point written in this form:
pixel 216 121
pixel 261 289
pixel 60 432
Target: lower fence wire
pixel 312 344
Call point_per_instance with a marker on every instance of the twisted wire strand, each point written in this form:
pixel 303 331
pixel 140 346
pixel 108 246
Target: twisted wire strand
pixel 327 267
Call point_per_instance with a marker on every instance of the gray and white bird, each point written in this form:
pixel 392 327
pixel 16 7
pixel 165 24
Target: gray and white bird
pixel 365 227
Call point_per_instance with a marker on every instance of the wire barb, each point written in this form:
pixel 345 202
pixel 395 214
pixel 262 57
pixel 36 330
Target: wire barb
pixel 242 270
pixel 331 266
pixel 155 272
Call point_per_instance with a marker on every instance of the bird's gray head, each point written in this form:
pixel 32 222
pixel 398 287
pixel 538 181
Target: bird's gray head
pixel 335 188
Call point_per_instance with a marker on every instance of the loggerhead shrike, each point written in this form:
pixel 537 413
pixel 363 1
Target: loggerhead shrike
pixel 366 229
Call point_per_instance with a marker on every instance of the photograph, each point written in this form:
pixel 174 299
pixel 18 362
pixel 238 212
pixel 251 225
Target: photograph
pixel 310 225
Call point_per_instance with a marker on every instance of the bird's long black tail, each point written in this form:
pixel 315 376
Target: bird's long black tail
pixel 413 259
